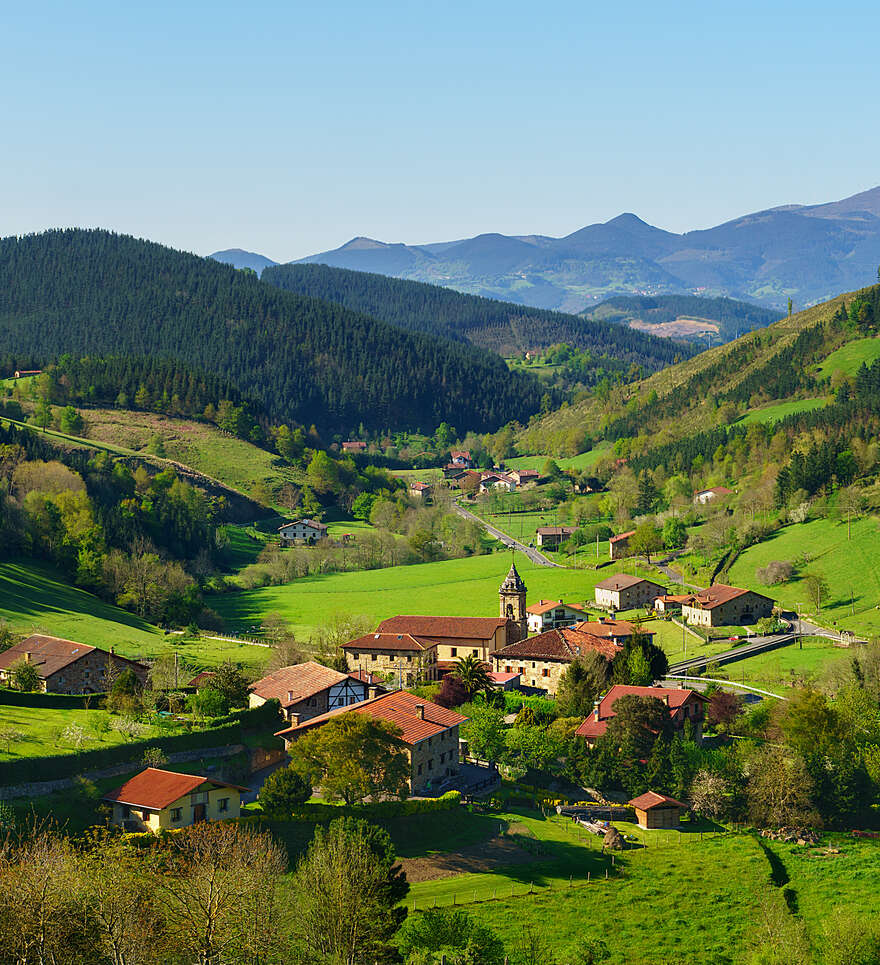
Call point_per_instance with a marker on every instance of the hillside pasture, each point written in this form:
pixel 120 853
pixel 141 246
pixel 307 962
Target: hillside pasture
pixel 799 663
pixel 779 411
pixel 582 461
pixel 849 358
pixel 821 546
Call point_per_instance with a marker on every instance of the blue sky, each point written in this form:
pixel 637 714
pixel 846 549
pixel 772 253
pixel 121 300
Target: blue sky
pixel 288 128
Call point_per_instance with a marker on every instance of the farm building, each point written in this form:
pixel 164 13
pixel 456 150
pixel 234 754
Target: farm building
pixel 623 592
pixel 524 477
pixel 671 603
pixel 157 800
pixel 407 657
pixel 684 705
pixel 354 446
pixel 549 614
pixel 618 546
pixel 655 810
pixel 429 733
pixel 420 490
pixel 542 660
pixel 67 667
pixel 461 458
pixel 307 690
pixel 552 537
pixel 721 605
pixel 714 495
pixel 308 531
pixel 497 481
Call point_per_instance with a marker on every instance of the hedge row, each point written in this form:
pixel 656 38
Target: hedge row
pixel 318 813
pixel 18 698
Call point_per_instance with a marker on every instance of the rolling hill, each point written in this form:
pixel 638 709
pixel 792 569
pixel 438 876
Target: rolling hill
pixel 503 327
pixel 303 359
pixel 243 259
pixel 810 252
pixel 685 316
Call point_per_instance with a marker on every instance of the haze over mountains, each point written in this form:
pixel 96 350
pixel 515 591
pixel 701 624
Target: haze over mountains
pixel 808 252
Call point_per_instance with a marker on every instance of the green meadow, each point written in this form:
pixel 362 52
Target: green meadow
pixel 462 587
pixel 582 461
pixel 850 357
pixel 797 663
pixel 777 412
pixel 851 568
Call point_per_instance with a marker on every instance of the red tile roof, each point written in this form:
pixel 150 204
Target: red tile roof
pixel 556 530
pixel 466 628
pixel 715 490
pixel 545 606
pixel 614 539
pixel 51 654
pixel 717 595
pixel 292 684
pixel 622 581
pixel 651 799
pixel 389 641
pixel 564 644
pixel 611 628
pixel 675 698
pixel 156 789
pixel 304 522
pixel 400 708
pixel 202 679
pixel 365 677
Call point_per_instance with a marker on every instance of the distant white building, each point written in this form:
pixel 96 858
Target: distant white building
pixel 302 531
pixel 550 614
pixel 706 496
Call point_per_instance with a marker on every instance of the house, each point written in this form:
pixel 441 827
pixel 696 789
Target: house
pixel 525 477
pixel 23 373
pixel 497 481
pixel 307 690
pixel 203 679
pixel 67 667
pixel 623 592
pixel 618 546
pixel 157 800
pixel 354 446
pixel 721 605
pixel 308 531
pixel 715 494
pixel 401 656
pixel 504 681
pixel 461 458
pixel 617 630
pixel 670 603
pixel 429 734
pixel 655 810
pixel 551 537
pixel 420 490
pixel 542 660
pixel 684 705
pixel 456 636
pixel 549 614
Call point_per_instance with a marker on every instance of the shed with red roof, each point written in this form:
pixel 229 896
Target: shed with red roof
pixel 655 810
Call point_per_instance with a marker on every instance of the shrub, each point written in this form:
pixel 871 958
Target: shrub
pixel 283 791
pixel 777 571
pixel 208 702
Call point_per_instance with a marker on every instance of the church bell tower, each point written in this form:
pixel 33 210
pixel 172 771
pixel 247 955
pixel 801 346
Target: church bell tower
pixel 512 593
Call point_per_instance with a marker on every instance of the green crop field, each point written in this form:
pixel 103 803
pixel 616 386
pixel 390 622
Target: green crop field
pixel 848 566
pixel 42 729
pixel 850 357
pixel 777 412
pixel 462 587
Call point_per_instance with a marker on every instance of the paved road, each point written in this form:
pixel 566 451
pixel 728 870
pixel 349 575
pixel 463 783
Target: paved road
pixel 530 551
pixel 754 646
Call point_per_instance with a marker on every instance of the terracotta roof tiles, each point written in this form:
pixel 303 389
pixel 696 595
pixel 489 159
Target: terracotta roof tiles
pixel 156 789
pixel 292 684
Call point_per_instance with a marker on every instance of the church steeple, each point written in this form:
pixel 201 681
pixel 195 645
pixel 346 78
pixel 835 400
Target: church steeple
pixel 512 594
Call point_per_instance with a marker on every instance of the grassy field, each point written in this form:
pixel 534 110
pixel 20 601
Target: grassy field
pixel 43 726
pixel 582 461
pixel 800 662
pixel 849 358
pixel 777 412
pixel 463 587
pixel 848 566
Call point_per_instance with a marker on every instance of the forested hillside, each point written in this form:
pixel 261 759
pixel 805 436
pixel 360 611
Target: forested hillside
pixel 504 327
pixel 730 318
pixel 94 292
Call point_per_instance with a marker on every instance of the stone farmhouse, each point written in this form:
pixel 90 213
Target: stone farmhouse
pixel 542 660
pixel 623 592
pixel 670 603
pixel 429 732
pixel 684 705
pixel 307 690
pixel 400 656
pixel 713 495
pixel 67 667
pixel 524 477
pixel 308 531
pixel 618 546
pixel 157 800
pixel 420 490
pixel 552 537
pixel 549 614
pixel 723 605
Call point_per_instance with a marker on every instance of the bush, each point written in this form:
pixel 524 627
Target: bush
pixel 778 571
pixel 207 702
pixel 283 791
pixel 379 811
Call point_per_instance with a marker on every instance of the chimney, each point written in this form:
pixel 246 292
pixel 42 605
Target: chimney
pixel 372 692
pixel 27 656
pixel 666 699
pixel 420 711
pixel 295 719
pixel 596 710
pixel 289 695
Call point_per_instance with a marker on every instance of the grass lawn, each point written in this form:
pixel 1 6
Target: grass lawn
pixel 849 358
pixel 777 412
pixel 42 727
pixel 799 662
pixel 582 461
pixel 848 566
pixel 463 587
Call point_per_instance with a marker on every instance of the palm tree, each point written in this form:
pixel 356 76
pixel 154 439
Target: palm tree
pixel 472 673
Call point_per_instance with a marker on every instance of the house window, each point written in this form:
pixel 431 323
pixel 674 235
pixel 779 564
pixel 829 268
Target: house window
pixel 409 658
pixel 545 672
pixel 356 656
pixel 372 656
pixel 533 665
pixel 508 670
pixel 442 757
pixel 454 651
pixel 146 814
pixel 223 804
pixel 176 815
pixel 522 670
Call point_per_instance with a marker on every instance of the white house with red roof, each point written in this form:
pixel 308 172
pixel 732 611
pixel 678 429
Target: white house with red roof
pixel 159 800
pixel 618 546
pixel 550 614
pixel 712 495
pixel 684 705
pixel 429 734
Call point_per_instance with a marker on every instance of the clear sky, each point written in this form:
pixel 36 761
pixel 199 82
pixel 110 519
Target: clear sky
pixel 288 128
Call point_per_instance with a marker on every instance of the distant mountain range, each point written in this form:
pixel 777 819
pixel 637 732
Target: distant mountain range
pixel 807 252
